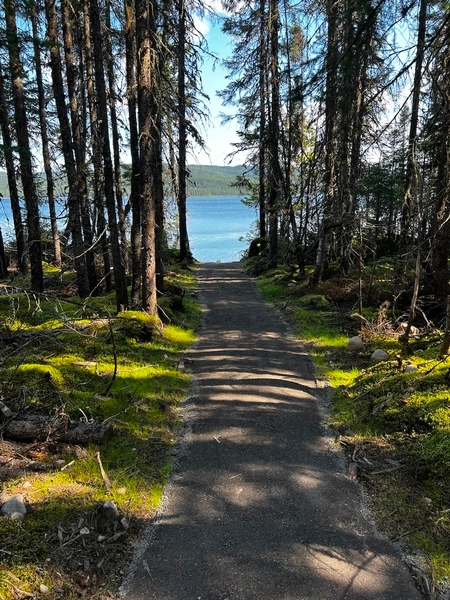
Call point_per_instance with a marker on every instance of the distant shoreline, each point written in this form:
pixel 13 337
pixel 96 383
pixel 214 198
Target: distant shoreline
pixel 204 181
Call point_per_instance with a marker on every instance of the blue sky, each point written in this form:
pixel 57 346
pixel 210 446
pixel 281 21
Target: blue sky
pixel 218 137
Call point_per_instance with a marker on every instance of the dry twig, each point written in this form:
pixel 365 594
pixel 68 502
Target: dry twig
pixel 105 477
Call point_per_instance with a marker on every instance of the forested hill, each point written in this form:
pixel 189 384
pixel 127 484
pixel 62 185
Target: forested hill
pixel 210 180
pixel 205 180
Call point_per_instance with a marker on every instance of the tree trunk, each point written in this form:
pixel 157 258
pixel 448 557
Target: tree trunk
pixel 75 186
pixel 148 107
pixel 411 176
pixel 446 341
pixel 185 251
pixel 77 140
pixel 98 176
pixel 158 193
pixel 115 135
pixel 45 140
pixel 262 119
pixel 12 182
pixel 41 428
pixel 21 123
pixel 329 193
pixel 136 232
pixel 275 183
pixel 120 279
pixel 3 261
pixel 440 248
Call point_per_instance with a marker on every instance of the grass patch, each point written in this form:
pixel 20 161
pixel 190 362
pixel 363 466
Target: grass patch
pixel 66 359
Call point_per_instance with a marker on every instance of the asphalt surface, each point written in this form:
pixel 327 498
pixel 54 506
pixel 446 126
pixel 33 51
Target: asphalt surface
pixel 260 507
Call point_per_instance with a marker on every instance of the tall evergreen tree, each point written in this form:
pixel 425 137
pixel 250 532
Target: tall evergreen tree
pixel 120 280
pixel 24 147
pixel 75 185
pixel 146 36
pixel 11 175
pixel 50 187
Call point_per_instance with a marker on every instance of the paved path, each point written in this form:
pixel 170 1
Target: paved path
pixel 259 507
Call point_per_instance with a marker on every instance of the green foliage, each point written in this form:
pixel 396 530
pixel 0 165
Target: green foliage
pixel 314 302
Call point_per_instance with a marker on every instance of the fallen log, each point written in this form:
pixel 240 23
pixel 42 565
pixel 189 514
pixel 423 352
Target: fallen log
pixel 41 428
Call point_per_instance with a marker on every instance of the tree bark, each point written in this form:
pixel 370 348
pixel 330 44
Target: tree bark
pixel 411 176
pixel 75 186
pixel 275 179
pixel 185 251
pixel 12 182
pixel 74 88
pixel 115 135
pixel 329 193
pixel 136 232
pixel 440 249
pixel 262 119
pixel 148 108
pixel 120 279
pixel 23 141
pixel 45 140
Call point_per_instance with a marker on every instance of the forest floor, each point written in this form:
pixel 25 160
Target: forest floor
pixel 61 357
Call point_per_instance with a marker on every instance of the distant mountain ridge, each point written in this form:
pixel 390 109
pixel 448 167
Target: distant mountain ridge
pixel 213 180
pixel 205 180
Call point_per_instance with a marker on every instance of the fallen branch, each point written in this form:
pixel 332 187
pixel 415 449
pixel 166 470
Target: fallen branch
pixel 387 470
pixel 17 590
pixel 41 428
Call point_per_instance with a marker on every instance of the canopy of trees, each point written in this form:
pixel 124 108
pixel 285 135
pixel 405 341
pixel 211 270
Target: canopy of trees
pixel 81 85
pixel 343 118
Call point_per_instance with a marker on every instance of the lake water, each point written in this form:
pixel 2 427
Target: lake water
pixel 218 226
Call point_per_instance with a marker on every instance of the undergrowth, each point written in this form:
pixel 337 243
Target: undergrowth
pixel 66 359
pixel 394 424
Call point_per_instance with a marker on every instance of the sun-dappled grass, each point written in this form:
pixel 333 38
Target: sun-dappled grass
pixel 63 356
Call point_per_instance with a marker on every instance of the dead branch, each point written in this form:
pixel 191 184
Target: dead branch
pixel 42 428
pixel 17 590
pixel 105 477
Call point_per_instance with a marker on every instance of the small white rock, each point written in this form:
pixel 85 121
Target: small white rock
pixel 43 589
pixel 84 531
pixel 410 368
pixel 16 516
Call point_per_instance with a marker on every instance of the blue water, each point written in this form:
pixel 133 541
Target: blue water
pixel 219 227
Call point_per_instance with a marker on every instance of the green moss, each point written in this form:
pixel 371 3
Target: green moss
pixel 76 357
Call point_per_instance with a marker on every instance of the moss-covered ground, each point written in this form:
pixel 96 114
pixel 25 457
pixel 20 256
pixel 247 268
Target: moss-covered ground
pixel 64 358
